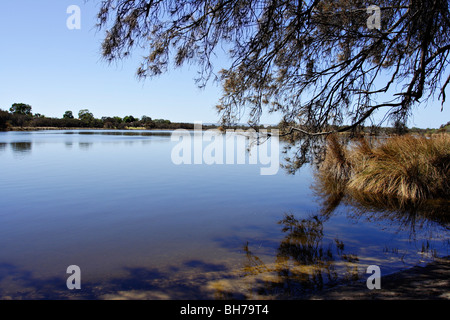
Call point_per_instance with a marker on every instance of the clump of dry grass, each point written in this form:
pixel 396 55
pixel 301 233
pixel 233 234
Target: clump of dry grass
pixel 335 169
pixel 408 168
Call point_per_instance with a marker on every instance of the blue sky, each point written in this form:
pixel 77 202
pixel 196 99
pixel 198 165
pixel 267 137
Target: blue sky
pixel 55 69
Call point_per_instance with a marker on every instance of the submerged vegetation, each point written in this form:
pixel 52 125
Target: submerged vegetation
pixel 401 169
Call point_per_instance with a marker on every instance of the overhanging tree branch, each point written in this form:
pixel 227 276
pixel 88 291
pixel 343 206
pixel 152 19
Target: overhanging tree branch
pixel 315 62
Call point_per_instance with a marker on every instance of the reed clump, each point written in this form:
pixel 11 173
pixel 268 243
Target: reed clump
pixel 407 168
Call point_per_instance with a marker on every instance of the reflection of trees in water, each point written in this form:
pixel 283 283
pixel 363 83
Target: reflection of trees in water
pixel 299 151
pixel 305 261
pixel 3 146
pixel 85 145
pixel 21 147
pixel 68 144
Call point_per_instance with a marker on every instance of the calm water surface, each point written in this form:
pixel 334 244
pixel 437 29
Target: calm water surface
pixel 141 227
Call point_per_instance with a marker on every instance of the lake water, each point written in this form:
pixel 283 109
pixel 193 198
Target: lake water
pixel 140 226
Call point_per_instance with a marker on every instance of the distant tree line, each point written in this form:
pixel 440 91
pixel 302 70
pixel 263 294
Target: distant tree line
pixel 20 115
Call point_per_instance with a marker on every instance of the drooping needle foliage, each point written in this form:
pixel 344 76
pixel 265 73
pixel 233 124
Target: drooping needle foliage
pixel 318 62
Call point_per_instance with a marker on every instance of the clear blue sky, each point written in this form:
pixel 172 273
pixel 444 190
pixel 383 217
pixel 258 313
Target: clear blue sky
pixel 55 69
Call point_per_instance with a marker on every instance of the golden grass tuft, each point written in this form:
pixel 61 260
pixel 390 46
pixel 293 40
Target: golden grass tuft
pixel 335 169
pixel 408 168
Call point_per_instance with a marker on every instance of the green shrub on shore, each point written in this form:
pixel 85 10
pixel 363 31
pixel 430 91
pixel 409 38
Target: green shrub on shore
pixel 407 168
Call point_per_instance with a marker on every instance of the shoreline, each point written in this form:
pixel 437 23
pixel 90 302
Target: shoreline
pixel 18 129
pixel 429 282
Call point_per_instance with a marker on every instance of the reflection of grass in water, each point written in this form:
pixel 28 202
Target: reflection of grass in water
pixel 423 215
pixel 403 180
pixel 382 207
pixel 409 214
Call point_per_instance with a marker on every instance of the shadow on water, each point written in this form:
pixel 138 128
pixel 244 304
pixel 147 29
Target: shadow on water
pixel 137 284
pixel 18 284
